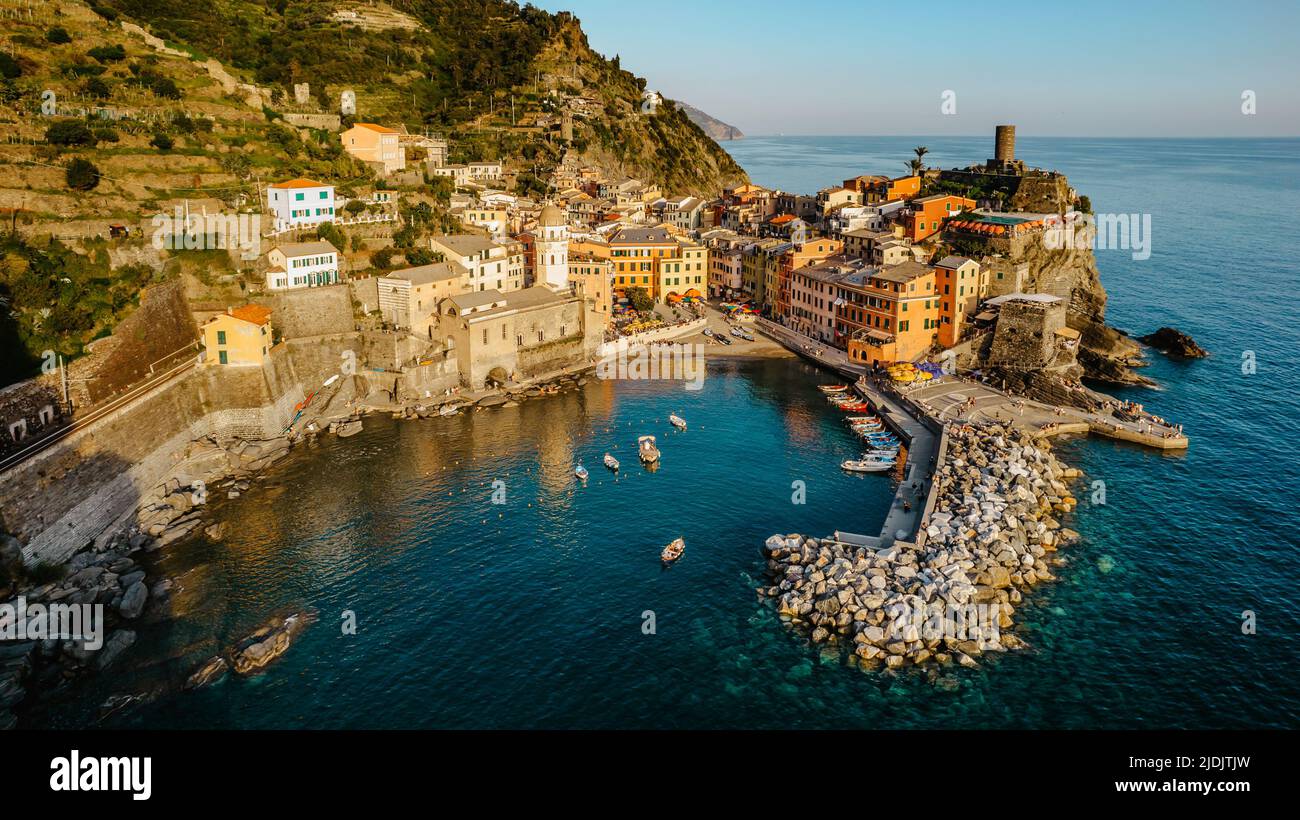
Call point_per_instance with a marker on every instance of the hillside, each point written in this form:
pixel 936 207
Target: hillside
pixel 119 110
pixel 715 128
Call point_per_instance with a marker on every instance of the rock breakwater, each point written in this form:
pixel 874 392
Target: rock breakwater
pixel 950 597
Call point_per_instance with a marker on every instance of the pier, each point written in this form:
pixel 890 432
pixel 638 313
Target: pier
pixel 919 415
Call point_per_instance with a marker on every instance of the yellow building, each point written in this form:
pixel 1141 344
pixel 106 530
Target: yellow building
pixel 684 275
pixel 593 278
pixel 660 263
pixel 241 336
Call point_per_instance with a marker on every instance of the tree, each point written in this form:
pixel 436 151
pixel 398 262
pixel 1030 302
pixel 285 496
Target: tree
pixel 920 152
pixel 640 299
pixel 382 258
pixel 69 133
pixel 58 35
pixel 9 68
pixel 161 141
pixel 96 88
pixel 915 166
pixel 82 175
pixel 107 54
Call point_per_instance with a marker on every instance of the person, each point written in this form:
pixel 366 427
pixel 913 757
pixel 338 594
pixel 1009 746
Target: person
pixel 907 506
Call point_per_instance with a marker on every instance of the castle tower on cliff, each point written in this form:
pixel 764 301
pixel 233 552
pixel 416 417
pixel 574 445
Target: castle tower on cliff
pixel 1004 152
pixel 551 265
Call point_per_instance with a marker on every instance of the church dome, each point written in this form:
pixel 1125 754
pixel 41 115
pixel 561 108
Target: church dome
pixel 551 217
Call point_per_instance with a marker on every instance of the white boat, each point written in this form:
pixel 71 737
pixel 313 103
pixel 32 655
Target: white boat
pixel 677 421
pixel 866 466
pixel 860 419
pixel 448 410
pixel 673 551
pixel 646 450
pixel 833 388
pixel 343 429
pixel 580 472
pixel 611 462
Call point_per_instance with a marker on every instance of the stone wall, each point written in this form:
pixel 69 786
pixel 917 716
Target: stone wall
pixel 307 312
pixel 1025 334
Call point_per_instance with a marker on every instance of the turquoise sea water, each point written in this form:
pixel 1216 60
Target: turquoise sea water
pixel 530 614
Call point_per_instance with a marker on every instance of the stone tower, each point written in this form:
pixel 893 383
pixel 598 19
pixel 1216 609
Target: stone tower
pixel 551 266
pixel 1004 144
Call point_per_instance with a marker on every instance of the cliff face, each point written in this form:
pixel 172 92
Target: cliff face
pixel 715 128
pixel 626 135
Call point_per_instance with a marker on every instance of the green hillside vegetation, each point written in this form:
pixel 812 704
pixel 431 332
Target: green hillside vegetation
pixel 140 130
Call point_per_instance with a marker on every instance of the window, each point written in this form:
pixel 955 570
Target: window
pixel 485 335
pixel 222 356
pixel 221 337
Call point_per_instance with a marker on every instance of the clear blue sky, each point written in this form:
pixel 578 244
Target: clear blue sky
pixel 1134 68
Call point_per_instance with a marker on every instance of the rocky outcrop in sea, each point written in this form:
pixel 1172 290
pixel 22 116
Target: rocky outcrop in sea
pixel 1175 343
pixel 951 597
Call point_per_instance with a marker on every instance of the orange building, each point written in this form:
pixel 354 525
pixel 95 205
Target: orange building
pixel 875 188
pixel 891 314
pixel 961 287
pixel 928 213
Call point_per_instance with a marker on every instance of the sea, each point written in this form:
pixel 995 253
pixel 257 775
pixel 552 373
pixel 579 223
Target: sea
pixel 434 606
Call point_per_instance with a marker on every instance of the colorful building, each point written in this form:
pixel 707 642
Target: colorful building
pixel 239 337
pixel 926 214
pixel 375 144
pixel 892 316
pixel 961 287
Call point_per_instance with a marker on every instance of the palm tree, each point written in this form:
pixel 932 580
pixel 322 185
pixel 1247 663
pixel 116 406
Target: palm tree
pixel 920 152
pixel 915 166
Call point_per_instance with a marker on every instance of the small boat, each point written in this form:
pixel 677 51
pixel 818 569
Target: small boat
pixel 833 388
pixel 673 551
pixel 852 419
pixel 854 407
pixel 646 450
pixel 580 472
pixel 865 466
pixel 677 421
pixel 707 332
pixel 735 331
pixel 722 338
pixel 746 335
pixel 611 462
pixel 448 410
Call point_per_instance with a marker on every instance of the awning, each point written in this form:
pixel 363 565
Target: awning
pixel 985 316
pixel 879 335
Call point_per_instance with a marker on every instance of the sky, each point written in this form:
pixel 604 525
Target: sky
pixel 1141 68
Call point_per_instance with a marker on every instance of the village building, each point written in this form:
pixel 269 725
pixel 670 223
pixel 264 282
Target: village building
pixel 925 215
pixel 962 285
pixel 299 203
pixel 239 337
pixel 488 264
pixel 891 314
pixel 593 278
pixel 408 298
pixel 375 145
pixel 302 265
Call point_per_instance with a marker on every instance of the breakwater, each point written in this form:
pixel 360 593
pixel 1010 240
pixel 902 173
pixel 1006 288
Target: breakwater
pixel 991 533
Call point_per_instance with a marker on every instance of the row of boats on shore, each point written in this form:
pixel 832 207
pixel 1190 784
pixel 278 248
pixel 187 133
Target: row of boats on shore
pixel 648 453
pixel 882 446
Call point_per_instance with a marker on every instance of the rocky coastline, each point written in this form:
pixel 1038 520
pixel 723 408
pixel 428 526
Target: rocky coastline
pixel 115 572
pixel 993 534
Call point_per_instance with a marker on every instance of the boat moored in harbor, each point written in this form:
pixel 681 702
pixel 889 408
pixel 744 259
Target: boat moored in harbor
pixel 611 462
pixel 580 472
pixel 677 421
pixel 646 450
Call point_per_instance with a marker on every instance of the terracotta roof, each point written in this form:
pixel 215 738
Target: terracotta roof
pixel 370 126
pixel 255 314
pixel 299 183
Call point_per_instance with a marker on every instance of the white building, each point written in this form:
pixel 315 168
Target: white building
pixel 551 266
pixel 302 265
pixel 299 202
pixel 482 171
pixel 459 173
